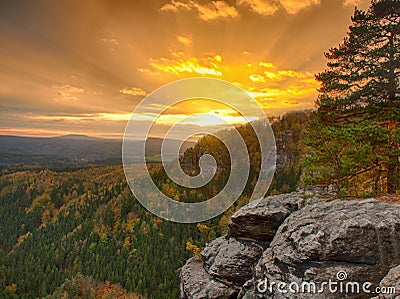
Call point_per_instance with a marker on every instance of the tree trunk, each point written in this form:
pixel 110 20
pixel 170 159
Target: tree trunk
pixel 377 178
pixel 393 160
pixel 392 176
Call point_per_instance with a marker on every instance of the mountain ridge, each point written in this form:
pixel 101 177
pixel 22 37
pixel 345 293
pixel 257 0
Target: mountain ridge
pixel 72 148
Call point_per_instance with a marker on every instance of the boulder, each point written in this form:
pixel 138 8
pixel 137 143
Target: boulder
pixel 300 240
pixel 390 281
pixel 196 283
pixel 260 219
pixel 356 241
pixel 231 260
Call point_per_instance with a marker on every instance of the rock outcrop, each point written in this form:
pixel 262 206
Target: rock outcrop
pixel 390 284
pixel 260 219
pixel 286 239
pixel 196 283
pixel 229 259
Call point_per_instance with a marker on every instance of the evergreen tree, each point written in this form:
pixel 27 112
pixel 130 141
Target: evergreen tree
pixel 360 93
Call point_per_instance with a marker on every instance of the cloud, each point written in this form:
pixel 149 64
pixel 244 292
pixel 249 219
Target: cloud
pixel 271 87
pixel 290 96
pixel 67 92
pixel 273 74
pixel 274 88
pixel 133 91
pixel 176 6
pixel 267 65
pixel 294 6
pixel 262 7
pixel 215 10
pixel 290 103
pixel 222 10
pixel 179 63
pixel 206 12
pixel 80 117
pixel 351 2
pixel 185 40
pixel 110 41
pixel 270 7
pixel 257 78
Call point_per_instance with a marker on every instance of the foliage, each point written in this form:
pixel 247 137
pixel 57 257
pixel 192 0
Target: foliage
pixel 82 232
pixel 97 229
pixel 358 104
pixel 86 288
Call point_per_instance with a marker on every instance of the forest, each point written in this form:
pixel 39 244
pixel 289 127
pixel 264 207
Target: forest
pixel 354 139
pixel 81 232
pixel 78 232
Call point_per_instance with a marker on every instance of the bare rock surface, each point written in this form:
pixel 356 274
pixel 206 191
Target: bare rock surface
pixel 288 239
pixel 260 219
pixel 196 283
pixel 359 239
pixel 391 280
pixel 231 259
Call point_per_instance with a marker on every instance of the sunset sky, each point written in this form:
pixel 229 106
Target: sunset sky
pixel 82 66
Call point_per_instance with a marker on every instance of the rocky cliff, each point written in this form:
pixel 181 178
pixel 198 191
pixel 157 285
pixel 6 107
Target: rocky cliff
pixel 284 246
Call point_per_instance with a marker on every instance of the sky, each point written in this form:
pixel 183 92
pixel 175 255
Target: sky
pixel 81 67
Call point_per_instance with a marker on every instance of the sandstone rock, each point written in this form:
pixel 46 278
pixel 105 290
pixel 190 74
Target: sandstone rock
pixel 230 259
pixel 260 219
pixel 360 238
pixel 196 283
pixel 392 279
pixel 302 240
pixel 284 154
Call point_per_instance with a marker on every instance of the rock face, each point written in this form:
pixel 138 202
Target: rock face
pixel 286 239
pixel 391 280
pixel 230 259
pixel 260 219
pixel 359 239
pixel 196 283
pixel 284 155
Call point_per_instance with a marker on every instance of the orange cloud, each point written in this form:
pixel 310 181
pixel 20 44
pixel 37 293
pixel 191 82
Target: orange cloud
pixel 77 118
pixel 176 6
pixel 267 65
pixel 273 74
pixel 271 87
pixel 265 8
pixel 257 78
pixel 67 92
pixel 206 12
pixel 222 10
pixel 110 41
pixel 185 40
pixel 294 6
pixel 351 2
pixel 179 63
pixel 133 91
pixel 290 103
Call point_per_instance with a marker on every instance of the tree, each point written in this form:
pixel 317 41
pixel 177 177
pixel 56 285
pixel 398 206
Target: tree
pixel 360 88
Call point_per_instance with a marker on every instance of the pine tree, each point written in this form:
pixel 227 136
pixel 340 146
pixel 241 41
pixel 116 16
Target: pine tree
pixel 360 91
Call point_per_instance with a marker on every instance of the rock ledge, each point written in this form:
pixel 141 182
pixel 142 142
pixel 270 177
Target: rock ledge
pixel 288 239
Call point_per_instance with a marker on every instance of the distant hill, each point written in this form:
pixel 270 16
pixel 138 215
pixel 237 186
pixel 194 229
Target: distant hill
pixel 70 148
pixel 288 131
pixel 57 224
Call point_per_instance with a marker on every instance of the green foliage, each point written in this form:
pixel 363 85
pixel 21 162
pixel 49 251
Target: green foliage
pixel 77 287
pixel 355 130
pixel 86 288
pixel 338 153
pixel 58 224
pixel 98 230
